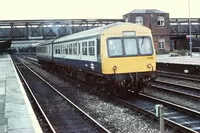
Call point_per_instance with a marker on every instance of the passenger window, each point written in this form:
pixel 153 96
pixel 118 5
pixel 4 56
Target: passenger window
pixel 75 48
pixel 91 48
pixel 84 48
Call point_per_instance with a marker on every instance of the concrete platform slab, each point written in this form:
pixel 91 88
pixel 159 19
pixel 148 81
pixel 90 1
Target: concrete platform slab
pixel 19 123
pixel 12 112
pixel 2 88
pixel 3 121
pixel 3 128
pixel 20 131
pixel 2 76
pixel 16 113
pixel 166 58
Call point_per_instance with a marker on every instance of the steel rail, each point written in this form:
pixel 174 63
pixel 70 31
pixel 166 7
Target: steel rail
pixel 188 91
pixel 193 78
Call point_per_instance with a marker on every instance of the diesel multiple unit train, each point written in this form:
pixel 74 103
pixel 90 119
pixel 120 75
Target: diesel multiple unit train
pixel 116 57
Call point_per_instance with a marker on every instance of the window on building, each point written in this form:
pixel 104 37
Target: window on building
pixel 126 19
pixel 161 44
pixel 139 20
pixel 161 21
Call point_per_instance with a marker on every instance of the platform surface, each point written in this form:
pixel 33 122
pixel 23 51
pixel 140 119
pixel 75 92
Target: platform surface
pixel 191 60
pixel 16 113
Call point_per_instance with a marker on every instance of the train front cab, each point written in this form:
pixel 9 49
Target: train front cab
pixel 128 57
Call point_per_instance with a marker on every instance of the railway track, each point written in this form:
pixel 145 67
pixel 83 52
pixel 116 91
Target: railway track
pixel 188 77
pixel 179 90
pixel 187 91
pixel 177 116
pixel 60 113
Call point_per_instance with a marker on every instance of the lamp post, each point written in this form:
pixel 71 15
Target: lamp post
pixel 190 42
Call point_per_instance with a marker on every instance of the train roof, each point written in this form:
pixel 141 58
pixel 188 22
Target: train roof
pixel 93 32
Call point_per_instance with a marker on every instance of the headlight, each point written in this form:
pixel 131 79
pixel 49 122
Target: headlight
pixel 149 65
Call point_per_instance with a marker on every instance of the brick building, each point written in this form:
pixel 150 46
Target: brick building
pixel 157 21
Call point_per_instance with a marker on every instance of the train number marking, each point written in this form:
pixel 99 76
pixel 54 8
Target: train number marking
pixel 149 57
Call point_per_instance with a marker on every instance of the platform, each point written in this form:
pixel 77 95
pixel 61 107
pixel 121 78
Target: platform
pixel 166 58
pixel 16 113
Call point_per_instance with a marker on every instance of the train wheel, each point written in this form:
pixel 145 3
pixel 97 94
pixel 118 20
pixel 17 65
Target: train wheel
pixel 120 90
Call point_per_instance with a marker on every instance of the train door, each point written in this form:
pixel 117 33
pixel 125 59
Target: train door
pixel 92 50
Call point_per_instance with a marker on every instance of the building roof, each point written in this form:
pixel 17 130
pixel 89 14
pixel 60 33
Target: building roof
pixel 146 11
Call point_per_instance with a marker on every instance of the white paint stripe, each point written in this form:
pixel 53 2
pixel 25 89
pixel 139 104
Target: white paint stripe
pixel 34 120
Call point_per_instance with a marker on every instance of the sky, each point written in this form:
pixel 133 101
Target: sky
pixel 92 9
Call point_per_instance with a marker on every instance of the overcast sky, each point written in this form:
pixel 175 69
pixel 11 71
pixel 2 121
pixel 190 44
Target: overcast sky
pixel 88 9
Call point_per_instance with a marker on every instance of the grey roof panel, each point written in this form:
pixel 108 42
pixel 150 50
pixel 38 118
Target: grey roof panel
pixel 147 11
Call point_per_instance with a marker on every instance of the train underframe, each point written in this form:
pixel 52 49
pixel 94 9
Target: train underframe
pixel 113 84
